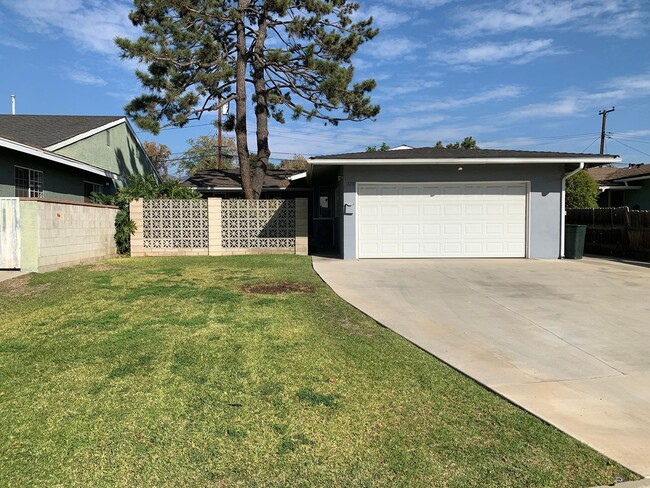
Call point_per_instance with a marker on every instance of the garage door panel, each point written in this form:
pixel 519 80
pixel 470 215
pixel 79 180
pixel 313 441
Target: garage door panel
pixel 442 220
pixel 410 210
pixel 429 209
pixel 430 230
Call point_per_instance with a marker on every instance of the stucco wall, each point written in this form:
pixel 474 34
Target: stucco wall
pixel 55 234
pixel 544 204
pixel 115 150
pixel 59 182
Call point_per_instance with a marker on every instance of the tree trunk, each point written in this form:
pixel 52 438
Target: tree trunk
pixel 261 108
pixel 240 102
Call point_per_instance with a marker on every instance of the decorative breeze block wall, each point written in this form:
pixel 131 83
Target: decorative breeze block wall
pixel 218 227
pixel 175 224
pixel 258 224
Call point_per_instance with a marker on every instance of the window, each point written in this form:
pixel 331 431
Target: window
pixel 90 187
pixel 325 203
pixel 28 182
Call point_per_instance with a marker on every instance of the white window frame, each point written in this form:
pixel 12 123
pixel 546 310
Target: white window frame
pixel 31 182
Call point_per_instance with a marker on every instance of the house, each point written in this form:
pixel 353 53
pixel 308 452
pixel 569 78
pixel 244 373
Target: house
pixel 623 187
pixel 439 202
pixel 67 157
pixel 226 183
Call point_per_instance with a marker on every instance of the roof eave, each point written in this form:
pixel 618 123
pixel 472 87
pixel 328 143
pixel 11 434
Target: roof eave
pixel 423 161
pixel 633 178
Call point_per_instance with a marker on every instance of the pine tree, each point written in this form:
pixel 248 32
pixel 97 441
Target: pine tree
pixel 293 55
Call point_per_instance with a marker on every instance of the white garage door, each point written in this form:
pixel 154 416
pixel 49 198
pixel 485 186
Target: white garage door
pixel 441 220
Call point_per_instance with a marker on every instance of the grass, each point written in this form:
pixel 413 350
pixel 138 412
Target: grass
pixel 166 372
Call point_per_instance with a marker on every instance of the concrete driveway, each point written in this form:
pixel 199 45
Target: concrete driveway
pixel 567 340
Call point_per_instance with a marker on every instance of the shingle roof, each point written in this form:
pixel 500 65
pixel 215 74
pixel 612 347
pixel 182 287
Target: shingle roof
pixel 611 175
pixel 45 130
pixel 230 178
pixel 444 153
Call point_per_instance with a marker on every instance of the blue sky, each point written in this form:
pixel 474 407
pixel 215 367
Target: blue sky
pixel 514 74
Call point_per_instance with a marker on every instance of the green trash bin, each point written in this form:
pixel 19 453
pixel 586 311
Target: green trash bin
pixel 574 241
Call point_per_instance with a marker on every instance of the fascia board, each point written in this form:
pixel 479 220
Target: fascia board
pixel 634 178
pixel 461 161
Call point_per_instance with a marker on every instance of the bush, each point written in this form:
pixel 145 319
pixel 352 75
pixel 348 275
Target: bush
pixel 136 187
pixel 581 191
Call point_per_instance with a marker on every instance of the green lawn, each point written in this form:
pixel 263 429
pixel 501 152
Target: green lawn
pixel 174 372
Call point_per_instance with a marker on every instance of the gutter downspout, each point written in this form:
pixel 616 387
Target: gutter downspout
pixel 563 205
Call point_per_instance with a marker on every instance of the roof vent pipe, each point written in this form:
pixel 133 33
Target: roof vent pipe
pixel 13 104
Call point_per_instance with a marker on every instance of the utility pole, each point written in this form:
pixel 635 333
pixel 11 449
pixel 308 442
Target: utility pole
pixel 602 133
pixel 224 110
pixel 219 162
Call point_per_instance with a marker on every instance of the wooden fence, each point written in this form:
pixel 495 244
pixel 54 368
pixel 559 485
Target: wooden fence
pixel 619 232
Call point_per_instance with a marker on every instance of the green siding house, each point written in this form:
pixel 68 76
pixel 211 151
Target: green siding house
pixel 66 157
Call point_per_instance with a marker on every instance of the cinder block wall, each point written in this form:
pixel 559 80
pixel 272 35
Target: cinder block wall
pixel 215 227
pixel 57 234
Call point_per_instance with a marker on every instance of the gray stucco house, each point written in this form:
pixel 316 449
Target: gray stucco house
pixel 66 157
pixel 444 203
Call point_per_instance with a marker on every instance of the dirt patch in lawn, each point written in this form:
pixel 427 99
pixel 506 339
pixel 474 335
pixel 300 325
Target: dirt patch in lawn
pixel 102 267
pixel 20 287
pixel 278 288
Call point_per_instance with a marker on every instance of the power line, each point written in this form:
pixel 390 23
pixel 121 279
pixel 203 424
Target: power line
pixel 590 144
pixel 626 145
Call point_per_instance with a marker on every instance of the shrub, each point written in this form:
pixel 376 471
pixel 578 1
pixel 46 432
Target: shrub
pixel 581 191
pixel 136 187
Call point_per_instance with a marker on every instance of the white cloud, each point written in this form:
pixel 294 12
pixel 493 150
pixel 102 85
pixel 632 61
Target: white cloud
pixel 410 85
pixel 504 92
pixel 383 17
pixel 15 43
pixel 85 78
pixel 623 18
pixel 427 4
pixel 518 52
pixel 580 102
pixel 91 24
pixel 393 47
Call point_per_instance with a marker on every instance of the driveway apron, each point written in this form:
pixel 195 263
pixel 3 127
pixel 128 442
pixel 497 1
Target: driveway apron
pixel 566 340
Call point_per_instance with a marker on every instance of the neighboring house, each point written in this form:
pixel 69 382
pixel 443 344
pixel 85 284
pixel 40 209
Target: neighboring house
pixel 623 187
pixel 400 147
pixel 66 157
pixel 226 183
pixel 428 202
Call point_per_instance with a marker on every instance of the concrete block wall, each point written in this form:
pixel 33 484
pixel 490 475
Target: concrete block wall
pixel 215 226
pixel 302 226
pixel 55 234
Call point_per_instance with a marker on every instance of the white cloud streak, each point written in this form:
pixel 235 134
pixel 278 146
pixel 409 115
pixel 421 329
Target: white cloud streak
pixel 500 93
pixel 90 24
pixel 393 47
pixel 85 78
pixel 579 102
pixel 517 52
pixel 622 18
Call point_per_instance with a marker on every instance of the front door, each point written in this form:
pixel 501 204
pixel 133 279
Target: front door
pixel 9 233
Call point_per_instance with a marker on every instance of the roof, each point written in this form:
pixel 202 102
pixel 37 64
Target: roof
pixel 43 131
pixel 230 179
pixel 432 154
pixel 613 176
